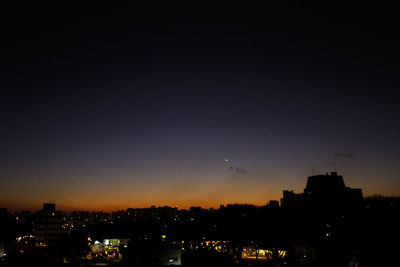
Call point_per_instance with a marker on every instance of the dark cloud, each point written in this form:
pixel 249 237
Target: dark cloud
pixel 342 155
pixel 238 169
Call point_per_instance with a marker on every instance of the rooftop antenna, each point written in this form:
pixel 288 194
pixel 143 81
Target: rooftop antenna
pixel 313 171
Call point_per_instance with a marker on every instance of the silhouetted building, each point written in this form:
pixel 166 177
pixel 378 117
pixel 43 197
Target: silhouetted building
pixel 49 207
pixel 3 225
pixel 49 224
pixel 322 220
pixel 323 191
pixel 273 204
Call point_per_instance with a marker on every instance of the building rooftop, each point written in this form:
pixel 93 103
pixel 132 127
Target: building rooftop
pixel 330 182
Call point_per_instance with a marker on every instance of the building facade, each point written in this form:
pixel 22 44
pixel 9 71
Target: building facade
pixel 49 224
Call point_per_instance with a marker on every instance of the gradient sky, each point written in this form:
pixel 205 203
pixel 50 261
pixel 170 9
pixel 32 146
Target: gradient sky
pixel 109 107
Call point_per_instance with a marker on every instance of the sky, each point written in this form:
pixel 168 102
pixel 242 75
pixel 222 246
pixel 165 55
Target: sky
pixel 107 106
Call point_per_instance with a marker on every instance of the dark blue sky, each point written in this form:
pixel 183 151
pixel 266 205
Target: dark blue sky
pixel 143 105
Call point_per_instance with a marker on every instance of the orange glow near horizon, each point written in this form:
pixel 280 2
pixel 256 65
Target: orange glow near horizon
pixel 106 206
pixel 95 192
pixel 110 206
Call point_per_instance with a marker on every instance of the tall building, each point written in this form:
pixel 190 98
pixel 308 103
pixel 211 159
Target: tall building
pixel 323 191
pixel 49 224
pixel 322 221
